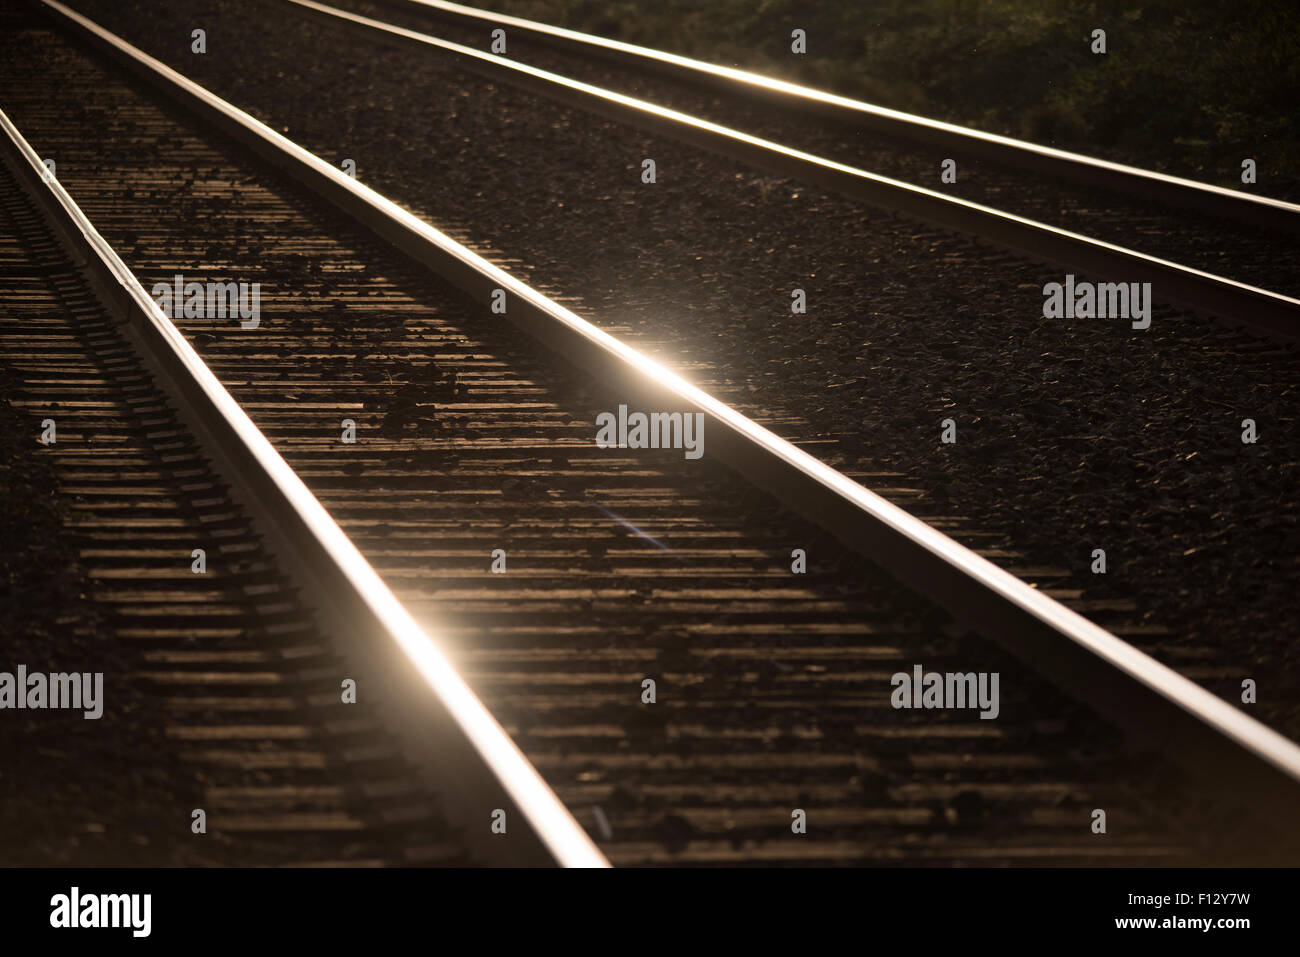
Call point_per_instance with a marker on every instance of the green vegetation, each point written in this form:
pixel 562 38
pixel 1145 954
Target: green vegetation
pixel 1192 87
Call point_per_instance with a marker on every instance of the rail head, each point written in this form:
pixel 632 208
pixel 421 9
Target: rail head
pixel 1224 747
pixel 319 554
pixel 1249 208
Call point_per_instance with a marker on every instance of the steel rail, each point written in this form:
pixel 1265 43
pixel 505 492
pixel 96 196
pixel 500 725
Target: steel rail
pixel 443 727
pixel 1234 756
pixel 1264 311
pixel 1248 208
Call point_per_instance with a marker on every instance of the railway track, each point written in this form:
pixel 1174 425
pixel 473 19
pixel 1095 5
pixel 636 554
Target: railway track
pixel 238 679
pixel 1230 233
pixel 543 45
pixel 1139 432
pixel 773 689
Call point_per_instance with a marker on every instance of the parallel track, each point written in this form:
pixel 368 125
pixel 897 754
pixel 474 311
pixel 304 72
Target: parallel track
pixel 1259 293
pixel 538 43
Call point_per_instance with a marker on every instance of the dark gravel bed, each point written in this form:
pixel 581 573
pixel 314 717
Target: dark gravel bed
pixel 1262 258
pixel 1072 435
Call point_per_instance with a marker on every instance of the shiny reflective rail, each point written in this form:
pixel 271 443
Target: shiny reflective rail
pixel 1259 309
pixel 1261 211
pixel 1229 752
